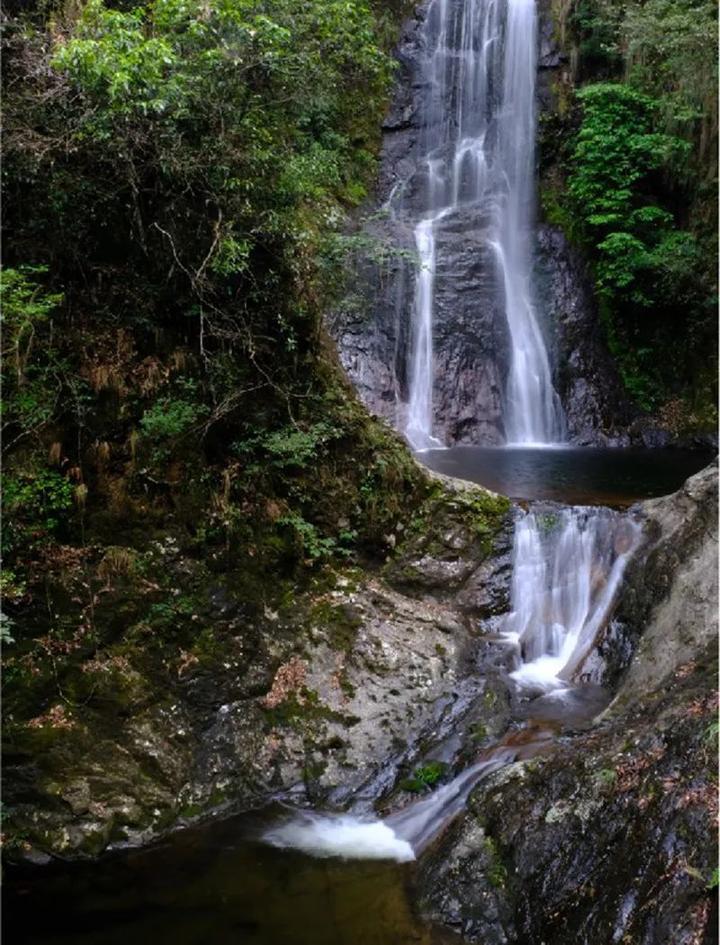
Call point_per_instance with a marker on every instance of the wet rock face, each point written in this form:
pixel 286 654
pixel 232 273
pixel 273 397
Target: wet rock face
pixel 609 840
pixel 612 837
pixel 470 336
pixel 667 611
pixel 588 383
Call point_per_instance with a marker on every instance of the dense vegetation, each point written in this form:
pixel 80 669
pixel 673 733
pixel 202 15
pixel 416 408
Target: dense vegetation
pixel 636 151
pixel 177 175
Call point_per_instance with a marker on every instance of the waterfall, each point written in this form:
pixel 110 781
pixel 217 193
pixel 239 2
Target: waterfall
pixel 399 837
pixel 419 422
pixel 568 564
pixel 477 152
pixel 419 823
pixel 567 568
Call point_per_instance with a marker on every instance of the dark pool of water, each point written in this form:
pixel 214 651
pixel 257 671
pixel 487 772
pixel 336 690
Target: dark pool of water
pixel 576 476
pixel 214 885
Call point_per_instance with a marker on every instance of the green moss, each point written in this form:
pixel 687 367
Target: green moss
pixel 346 686
pixel 313 771
pixel 490 698
pixel 424 778
pixel 341 621
pixel 495 871
pixel 547 522
pixel 449 524
pixel 605 778
pixel 301 709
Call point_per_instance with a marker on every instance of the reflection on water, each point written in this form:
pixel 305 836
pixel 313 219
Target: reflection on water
pixel 614 477
pixel 214 885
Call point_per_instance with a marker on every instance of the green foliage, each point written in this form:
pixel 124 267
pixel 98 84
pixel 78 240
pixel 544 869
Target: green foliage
pixel 290 446
pixel 596 24
pixel 24 304
pixel 170 418
pixel 12 588
pixel 204 157
pixel 312 544
pixel 646 265
pixel 280 81
pixel 35 507
pixel 6 624
pixel 669 46
pixel 30 367
pixel 636 144
pixel 615 154
pixel 113 60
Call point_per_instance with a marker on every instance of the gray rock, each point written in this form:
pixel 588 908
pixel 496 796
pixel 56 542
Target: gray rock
pixel 325 700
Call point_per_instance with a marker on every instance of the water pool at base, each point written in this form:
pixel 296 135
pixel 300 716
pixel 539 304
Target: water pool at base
pixel 575 476
pixel 214 885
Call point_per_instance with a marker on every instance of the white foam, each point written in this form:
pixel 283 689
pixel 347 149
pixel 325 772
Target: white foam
pixel 542 673
pixel 344 836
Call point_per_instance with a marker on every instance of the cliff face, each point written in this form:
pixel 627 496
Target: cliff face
pixel 470 331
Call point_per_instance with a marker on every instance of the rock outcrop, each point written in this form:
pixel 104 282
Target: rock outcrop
pixel 321 697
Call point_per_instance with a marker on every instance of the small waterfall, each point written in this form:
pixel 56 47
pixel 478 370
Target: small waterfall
pixel 477 150
pixel 567 568
pixel 325 835
pixel 399 837
pixel 568 564
pixel 420 822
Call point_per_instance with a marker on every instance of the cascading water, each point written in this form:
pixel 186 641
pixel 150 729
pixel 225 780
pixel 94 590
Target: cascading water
pixel 399 837
pixel 419 419
pixel 478 130
pixel 567 568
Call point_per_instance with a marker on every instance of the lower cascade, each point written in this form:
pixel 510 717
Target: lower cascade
pixel 567 567
pixel 568 564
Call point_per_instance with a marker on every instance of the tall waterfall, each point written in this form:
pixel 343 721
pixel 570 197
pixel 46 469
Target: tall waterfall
pixel 478 131
pixel 567 568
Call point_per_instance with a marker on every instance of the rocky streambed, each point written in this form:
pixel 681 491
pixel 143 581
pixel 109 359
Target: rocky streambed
pixel 381 685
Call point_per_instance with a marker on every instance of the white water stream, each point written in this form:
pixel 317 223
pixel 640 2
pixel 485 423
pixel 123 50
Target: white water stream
pixel 567 568
pixel 478 144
